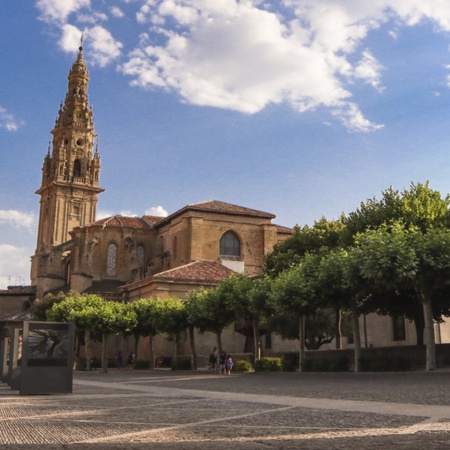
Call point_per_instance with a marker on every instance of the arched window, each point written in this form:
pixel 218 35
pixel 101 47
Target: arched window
pixel 230 245
pixel 140 253
pixel 111 260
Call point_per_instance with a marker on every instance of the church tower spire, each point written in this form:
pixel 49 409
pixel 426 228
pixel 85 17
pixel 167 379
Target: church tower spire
pixel 70 175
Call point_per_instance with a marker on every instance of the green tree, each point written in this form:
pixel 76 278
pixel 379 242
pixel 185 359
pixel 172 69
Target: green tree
pixel 249 300
pixel 110 318
pixel 145 310
pixel 419 206
pixel 343 287
pixel 40 307
pixel 295 294
pixel 96 317
pixel 289 252
pixel 394 258
pixel 70 310
pixel 319 327
pixel 208 312
pixel 171 318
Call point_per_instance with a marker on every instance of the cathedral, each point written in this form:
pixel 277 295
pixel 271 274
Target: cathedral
pixel 131 257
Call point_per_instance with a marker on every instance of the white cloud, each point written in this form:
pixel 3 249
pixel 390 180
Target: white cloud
pixel 353 119
pixel 8 122
pixel 369 70
pixel 153 211
pixel 14 265
pixel 70 38
pixel 103 215
pixel 60 10
pixel 127 213
pixel 92 18
pixel 235 55
pixel 246 54
pixel 103 47
pixel 117 12
pixel 17 218
pixel 158 211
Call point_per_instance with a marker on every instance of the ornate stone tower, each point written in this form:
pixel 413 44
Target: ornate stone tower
pixel 70 181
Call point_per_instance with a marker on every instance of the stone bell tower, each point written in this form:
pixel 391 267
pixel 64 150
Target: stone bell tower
pixel 70 182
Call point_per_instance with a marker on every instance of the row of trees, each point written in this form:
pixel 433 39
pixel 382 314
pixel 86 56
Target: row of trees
pixel 96 318
pixel 238 298
pixel 390 256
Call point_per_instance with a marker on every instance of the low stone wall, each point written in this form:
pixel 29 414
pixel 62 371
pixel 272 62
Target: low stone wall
pixel 416 354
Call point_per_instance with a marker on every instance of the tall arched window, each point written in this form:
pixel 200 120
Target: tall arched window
pixel 111 260
pixel 140 255
pixel 230 245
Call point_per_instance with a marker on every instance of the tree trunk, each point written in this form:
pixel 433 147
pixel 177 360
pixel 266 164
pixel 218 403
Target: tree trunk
pixel 193 350
pixel 77 351
pixel 338 329
pixel 104 353
pixel 87 349
pixel 256 343
pixel 175 347
pixel 77 345
pixel 366 345
pixel 219 341
pixel 430 345
pixel 152 352
pixel 419 325
pixel 301 335
pixel 137 347
pixel 356 335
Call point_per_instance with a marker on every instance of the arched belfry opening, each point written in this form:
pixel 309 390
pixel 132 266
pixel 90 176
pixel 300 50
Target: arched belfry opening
pixel 77 168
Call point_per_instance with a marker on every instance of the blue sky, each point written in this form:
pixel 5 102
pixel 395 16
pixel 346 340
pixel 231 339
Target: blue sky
pixel 301 108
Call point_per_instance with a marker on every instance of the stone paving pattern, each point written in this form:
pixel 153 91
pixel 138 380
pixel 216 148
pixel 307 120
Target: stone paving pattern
pixel 136 410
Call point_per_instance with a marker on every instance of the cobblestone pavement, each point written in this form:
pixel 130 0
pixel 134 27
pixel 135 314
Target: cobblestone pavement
pixel 136 410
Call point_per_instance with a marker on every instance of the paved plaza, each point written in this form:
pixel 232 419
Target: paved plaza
pixel 131 409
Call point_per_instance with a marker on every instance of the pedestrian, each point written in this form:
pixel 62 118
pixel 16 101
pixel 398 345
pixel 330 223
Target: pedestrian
pixel 130 359
pixel 222 361
pixel 119 360
pixel 213 359
pixel 229 364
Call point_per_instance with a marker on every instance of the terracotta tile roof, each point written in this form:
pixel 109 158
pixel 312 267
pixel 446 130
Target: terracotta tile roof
pixel 284 230
pixel 228 208
pixel 152 220
pixel 203 270
pixel 121 222
pixel 215 206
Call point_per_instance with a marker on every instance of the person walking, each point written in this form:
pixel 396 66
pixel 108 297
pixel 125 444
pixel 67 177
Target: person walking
pixel 213 359
pixel 119 360
pixel 130 360
pixel 222 361
pixel 229 364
